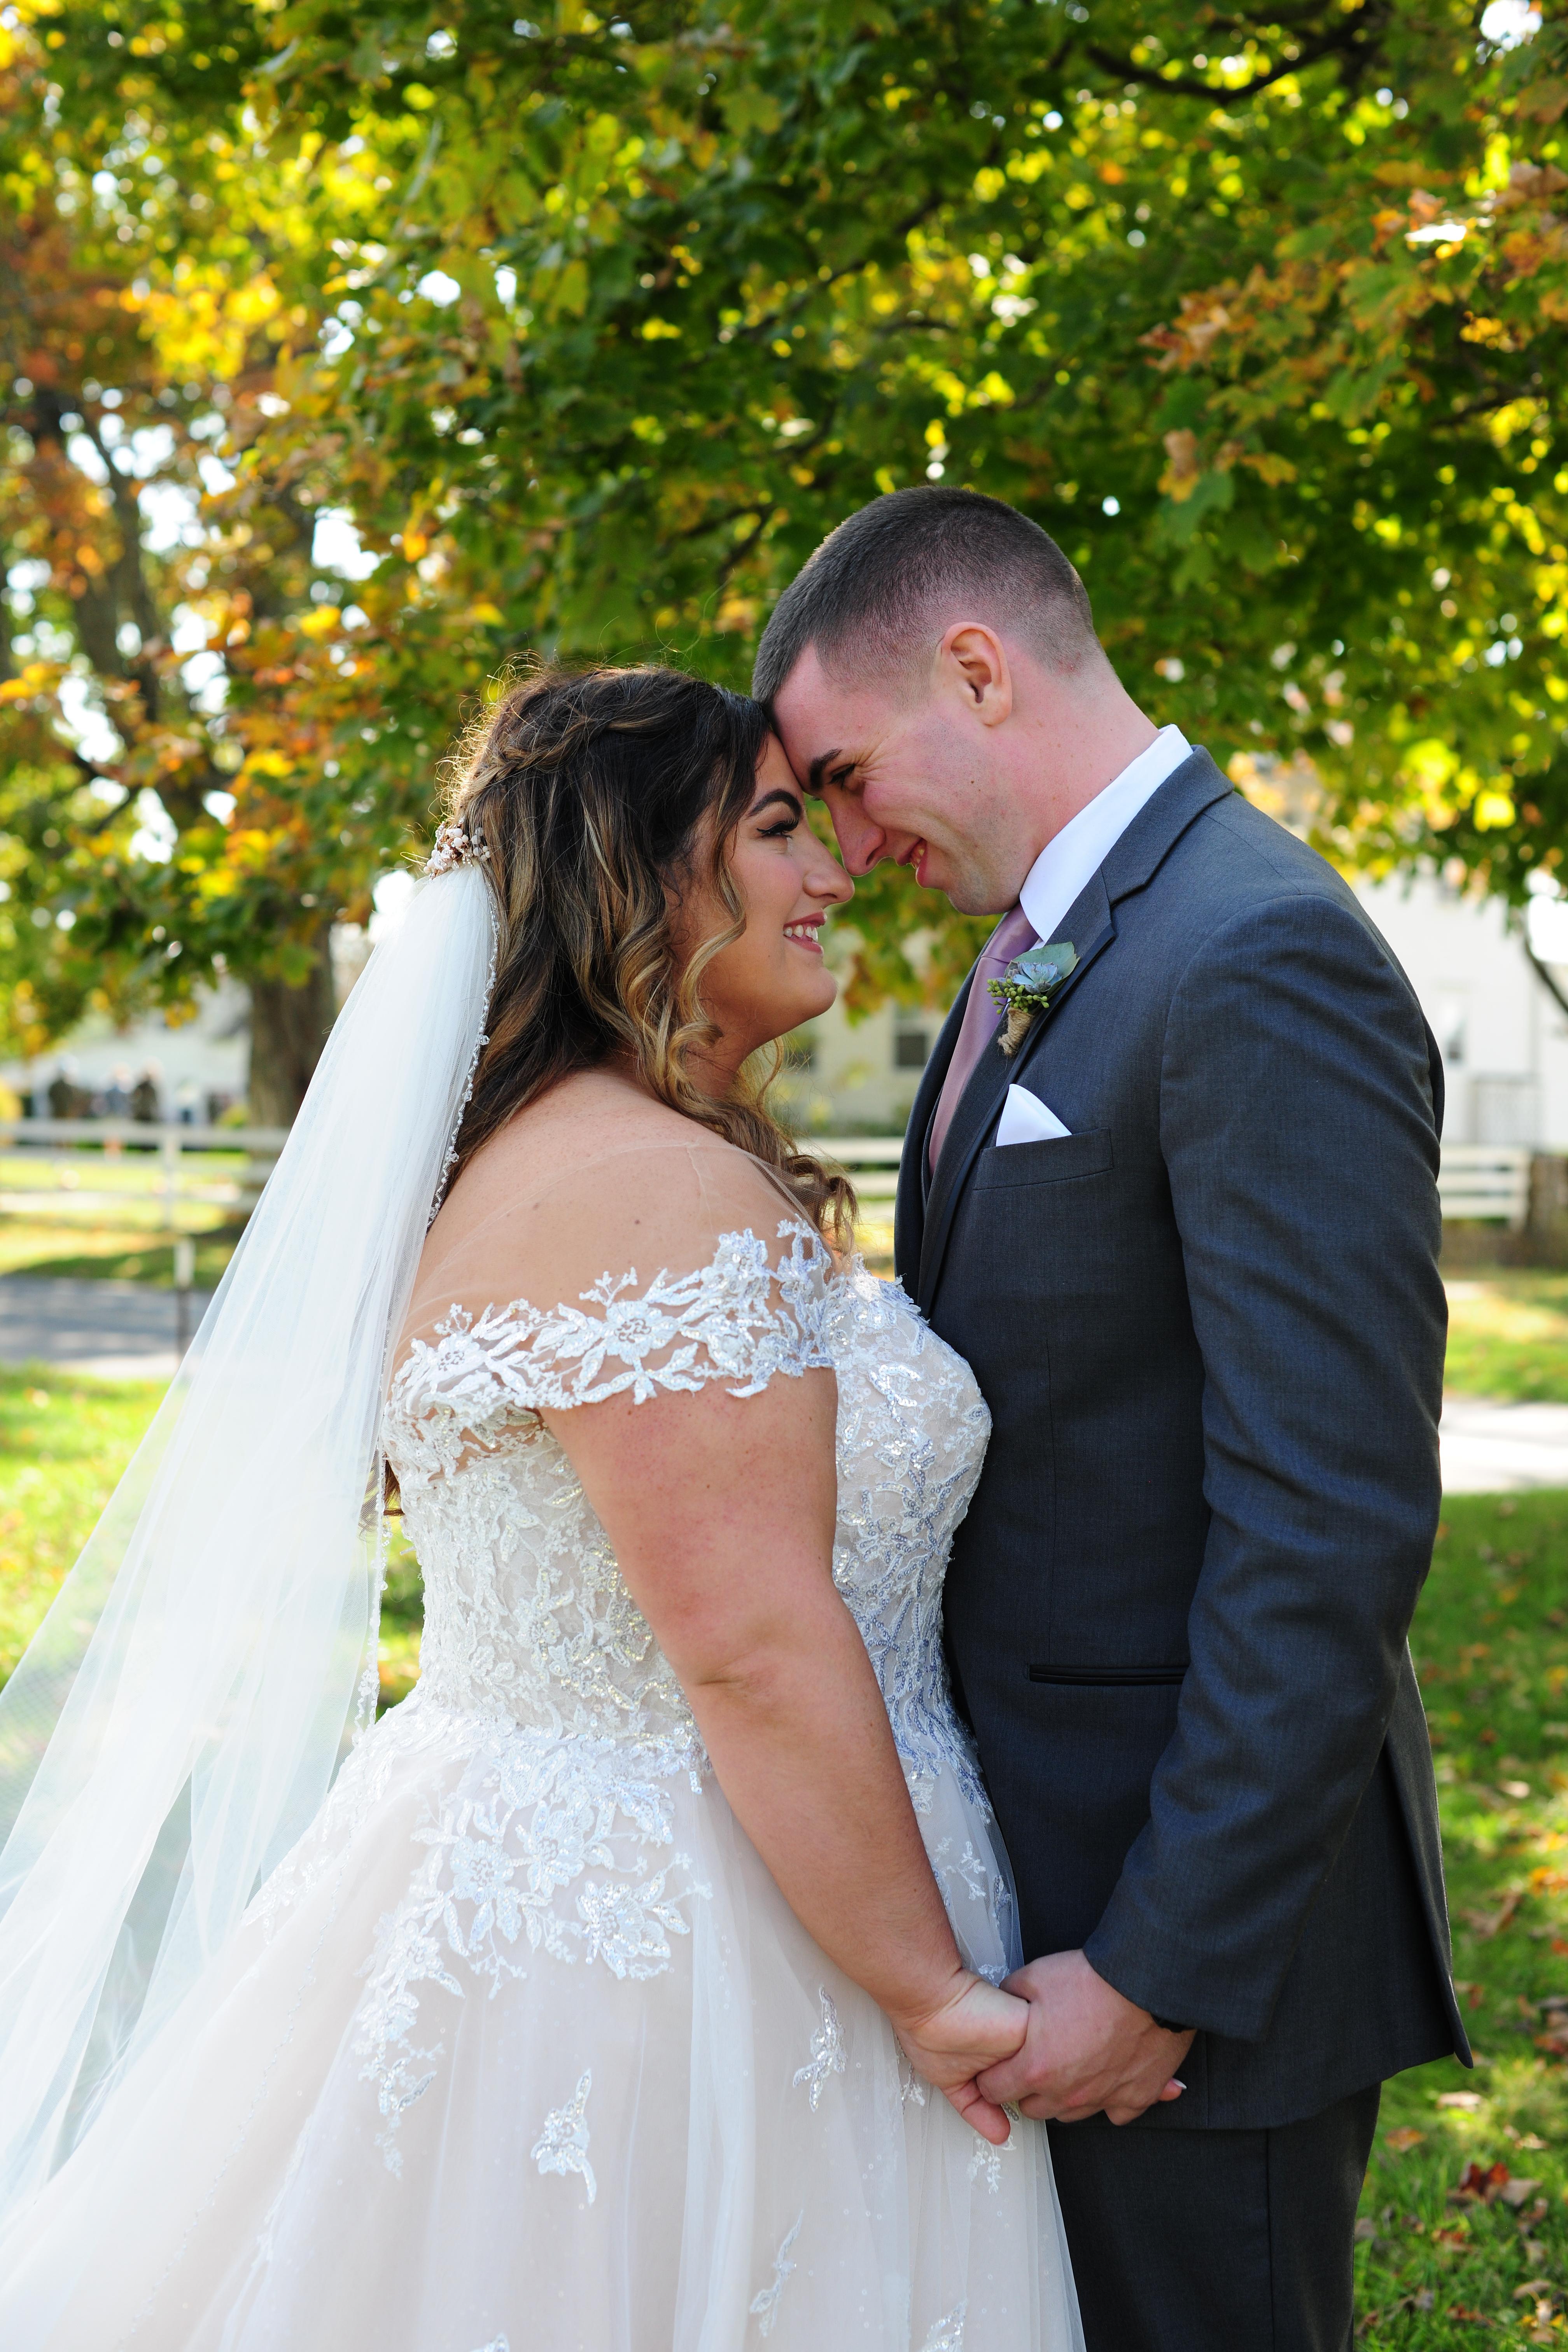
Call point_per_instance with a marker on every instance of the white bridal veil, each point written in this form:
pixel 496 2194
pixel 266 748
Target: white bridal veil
pixel 176 1722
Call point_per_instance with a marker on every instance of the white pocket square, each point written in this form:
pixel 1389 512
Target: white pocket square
pixel 1027 1119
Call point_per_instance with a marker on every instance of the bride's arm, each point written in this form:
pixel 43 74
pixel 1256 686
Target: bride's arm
pixel 721 1511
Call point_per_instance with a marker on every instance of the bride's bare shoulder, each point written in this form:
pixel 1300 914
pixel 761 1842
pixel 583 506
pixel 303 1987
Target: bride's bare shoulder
pixel 592 1132
pixel 594 1177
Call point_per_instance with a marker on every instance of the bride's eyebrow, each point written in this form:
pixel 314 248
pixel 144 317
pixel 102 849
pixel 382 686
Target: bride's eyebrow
pixel 789 800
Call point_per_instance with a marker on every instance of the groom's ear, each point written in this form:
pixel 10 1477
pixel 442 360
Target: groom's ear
pixel 971 663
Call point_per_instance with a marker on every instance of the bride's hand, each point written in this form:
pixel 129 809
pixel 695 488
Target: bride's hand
pixel 972 2026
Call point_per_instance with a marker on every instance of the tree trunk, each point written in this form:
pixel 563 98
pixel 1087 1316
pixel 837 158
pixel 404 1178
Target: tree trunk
pixel 289 1027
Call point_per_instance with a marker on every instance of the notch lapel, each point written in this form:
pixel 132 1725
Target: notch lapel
pixel 1090 925
pixel 914 1183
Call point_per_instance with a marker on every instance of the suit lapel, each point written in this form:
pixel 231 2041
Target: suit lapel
pixel 914 1184
pixel 1091 928
pixel 1091 924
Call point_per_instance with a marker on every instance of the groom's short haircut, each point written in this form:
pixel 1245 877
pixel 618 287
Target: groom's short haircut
pixel 881 588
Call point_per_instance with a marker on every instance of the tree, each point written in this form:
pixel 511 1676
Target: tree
pixel 595 326
pixel 186 720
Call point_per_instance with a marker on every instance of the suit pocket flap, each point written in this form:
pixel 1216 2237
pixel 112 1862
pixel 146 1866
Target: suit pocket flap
pixel 1047 1162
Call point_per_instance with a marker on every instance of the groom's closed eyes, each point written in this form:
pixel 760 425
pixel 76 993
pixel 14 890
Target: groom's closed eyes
pixel 822 770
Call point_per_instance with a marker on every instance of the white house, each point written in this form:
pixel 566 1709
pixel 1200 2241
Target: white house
pixel 1504 1036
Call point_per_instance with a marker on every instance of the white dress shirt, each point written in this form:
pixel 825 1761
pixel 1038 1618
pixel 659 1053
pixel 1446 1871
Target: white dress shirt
pixel 1076 854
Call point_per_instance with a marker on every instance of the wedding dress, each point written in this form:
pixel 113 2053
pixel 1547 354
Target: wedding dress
pixel 521 2049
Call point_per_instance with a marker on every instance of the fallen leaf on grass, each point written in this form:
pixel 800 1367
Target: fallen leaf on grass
pixel 1465 2101
pixel 1462 2311
pixel 1365 2231
pixel 1425 2301
pixel 1482 2184
pixel 1515 2192
pixel 1492 1923
pixel 1404 2138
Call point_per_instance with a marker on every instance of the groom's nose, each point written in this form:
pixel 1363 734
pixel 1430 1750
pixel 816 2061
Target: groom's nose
pixel 861 842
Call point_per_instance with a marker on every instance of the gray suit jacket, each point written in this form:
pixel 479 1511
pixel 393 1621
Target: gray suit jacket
pixel 1210 1328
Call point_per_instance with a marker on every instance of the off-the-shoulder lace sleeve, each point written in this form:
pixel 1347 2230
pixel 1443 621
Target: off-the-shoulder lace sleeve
pixel 748 1315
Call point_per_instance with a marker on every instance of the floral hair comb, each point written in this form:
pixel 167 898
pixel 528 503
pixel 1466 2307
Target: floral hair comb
pixel 455 846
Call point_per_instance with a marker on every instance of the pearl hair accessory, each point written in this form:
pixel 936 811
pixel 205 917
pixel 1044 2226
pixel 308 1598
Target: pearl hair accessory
pixel 455 846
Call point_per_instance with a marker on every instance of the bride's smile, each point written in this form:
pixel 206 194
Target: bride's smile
pixel 773 975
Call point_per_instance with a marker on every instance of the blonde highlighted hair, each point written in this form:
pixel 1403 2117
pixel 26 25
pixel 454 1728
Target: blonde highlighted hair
pixel 590 790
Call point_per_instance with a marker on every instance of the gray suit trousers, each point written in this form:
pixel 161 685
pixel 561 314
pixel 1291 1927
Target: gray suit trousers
pixel 1252 2248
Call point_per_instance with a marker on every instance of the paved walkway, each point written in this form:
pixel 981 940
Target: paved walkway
pixel 1491 1448
pixel 126 1330
pixel 117 1330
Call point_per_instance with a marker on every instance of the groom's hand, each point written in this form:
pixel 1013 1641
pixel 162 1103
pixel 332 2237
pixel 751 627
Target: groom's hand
pixel 1086 2048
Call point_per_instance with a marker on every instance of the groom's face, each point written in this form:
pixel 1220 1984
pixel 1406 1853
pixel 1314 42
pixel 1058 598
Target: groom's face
pixel 905 771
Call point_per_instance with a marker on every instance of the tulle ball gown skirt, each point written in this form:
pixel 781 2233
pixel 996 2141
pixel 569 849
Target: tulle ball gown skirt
pixel 499 2061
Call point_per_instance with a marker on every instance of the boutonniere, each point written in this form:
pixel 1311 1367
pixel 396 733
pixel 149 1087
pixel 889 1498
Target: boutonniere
pixel 1029 987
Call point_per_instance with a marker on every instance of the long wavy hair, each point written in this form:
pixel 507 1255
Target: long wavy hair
pixel 590 789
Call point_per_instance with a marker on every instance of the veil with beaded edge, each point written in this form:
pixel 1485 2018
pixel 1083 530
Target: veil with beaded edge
pixel 175 1723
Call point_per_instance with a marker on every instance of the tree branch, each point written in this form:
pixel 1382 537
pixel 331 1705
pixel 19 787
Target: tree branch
pixel 1337 44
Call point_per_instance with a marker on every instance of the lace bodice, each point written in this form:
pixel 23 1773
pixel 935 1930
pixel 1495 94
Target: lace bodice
pixel 526 1616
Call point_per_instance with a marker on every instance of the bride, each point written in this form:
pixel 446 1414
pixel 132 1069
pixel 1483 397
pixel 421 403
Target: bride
pixel 625 1987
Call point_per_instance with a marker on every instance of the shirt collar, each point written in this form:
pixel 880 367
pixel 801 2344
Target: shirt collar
pixel 1074 856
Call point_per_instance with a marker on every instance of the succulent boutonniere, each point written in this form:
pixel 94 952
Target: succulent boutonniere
pixel 1029 986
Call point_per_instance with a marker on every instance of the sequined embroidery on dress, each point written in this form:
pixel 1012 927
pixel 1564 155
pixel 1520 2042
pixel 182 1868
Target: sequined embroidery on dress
pixel 764 2303
pixel 563 2144
pixel 912 1428
pixel 559 1724
pixel 828 2053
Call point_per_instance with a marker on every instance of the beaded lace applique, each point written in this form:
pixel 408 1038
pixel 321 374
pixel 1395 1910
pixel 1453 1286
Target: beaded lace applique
pixel 765 2305
pixel 525 1824
pixel 827 2053
pixel 912 1428
pixel 548 1720
pixel 563 2144
pixel 719 1323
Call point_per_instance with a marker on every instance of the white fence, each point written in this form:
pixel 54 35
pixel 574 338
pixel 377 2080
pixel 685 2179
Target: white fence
pixel 871 1161
pixel 1485 1181
pixel 56 1144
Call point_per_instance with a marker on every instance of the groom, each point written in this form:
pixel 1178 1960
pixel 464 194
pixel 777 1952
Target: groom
pixel 1186 1234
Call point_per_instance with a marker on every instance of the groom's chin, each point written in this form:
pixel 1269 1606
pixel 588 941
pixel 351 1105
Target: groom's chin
pixel 966 895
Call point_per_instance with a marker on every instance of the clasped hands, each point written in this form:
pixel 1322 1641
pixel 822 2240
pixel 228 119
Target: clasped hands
pixel 1055 2040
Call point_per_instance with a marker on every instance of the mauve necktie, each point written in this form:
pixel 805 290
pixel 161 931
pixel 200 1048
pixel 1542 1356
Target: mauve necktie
pixel 1013 935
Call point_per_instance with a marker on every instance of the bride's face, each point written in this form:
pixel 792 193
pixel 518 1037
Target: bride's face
pixel 774 976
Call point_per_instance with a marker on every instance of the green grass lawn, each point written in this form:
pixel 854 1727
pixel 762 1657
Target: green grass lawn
pixel 48 1246
pixel 1465 2220
pixel 64 1442
pixel 1508 1333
